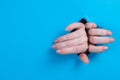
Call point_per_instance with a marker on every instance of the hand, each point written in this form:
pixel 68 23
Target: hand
pixel 75 42
pixel 96 37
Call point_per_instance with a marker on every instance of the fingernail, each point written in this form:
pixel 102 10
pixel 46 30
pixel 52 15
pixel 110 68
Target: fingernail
pixel 105 48
pixel 111 40
pixel 59 51
pixel 109 33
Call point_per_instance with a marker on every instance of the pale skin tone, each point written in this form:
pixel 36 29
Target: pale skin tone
pixel 77 41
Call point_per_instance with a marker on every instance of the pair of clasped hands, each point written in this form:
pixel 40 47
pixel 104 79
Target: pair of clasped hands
pixel 80 41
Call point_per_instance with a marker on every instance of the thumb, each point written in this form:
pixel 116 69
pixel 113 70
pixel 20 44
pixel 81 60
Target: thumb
pixel 84 58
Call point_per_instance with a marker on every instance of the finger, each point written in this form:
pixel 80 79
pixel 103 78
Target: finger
pixel 75 26
pixel 74 42
pixel 90 25
pixel 72 35
pixel 100 40
pixel 73 49
pixel 84 58
pixel 97 49
pixel 99 32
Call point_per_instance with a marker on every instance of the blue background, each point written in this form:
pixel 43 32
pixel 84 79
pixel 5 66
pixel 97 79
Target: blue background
pixel 29 27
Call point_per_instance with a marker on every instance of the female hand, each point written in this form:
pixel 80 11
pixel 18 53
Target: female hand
pixel 96 36
pixel 72 43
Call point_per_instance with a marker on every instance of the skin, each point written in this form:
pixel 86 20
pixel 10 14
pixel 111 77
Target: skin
pixel 77 41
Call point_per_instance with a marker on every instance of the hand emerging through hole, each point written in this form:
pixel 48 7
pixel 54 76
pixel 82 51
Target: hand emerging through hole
pixel 78 42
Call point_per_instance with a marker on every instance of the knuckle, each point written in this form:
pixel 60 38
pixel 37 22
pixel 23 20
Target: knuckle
pixel 92 39
pixel 90 31
pixel 69 43
pixel 82 25
pixel 82 40
pixel 78 41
